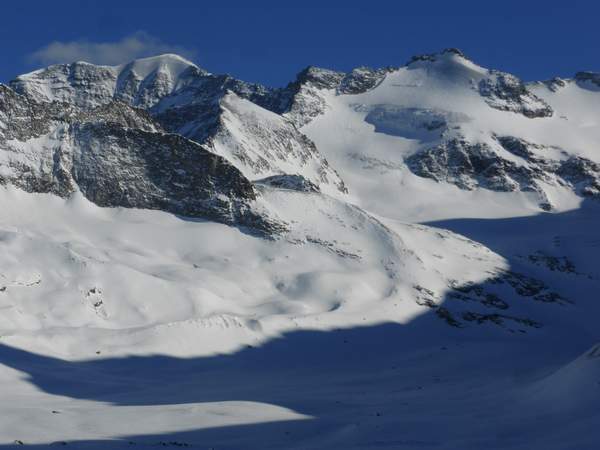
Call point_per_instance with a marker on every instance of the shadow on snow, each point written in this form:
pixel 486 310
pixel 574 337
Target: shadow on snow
pixel 386 377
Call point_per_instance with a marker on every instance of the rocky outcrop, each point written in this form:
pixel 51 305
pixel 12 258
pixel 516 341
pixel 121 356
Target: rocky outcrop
pixel 471 165
pixel 262 143
pixel 189 101
pixel 290 182
pixel 507 93
pixel 80 84
pixel 583 174
pixel 117 156
pixel 22 118
pixel 555 84
pixel 257 141
pixel 433 56
pixel 118 166
pixel 363 79
pixel 305 98
pixel 141 83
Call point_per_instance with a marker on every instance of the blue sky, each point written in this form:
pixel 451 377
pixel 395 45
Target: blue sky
pixel 270 41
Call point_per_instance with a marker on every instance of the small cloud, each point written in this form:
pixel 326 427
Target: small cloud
pixel 137 45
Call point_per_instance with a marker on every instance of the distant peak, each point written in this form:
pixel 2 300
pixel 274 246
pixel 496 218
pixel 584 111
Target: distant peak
pixel 435 56
pixel 141 82
pixel 171 61
pixel 322 78
pixel 593 77
pixel 454 51
pixel 162 72
pixel 142 66
pixel 315 71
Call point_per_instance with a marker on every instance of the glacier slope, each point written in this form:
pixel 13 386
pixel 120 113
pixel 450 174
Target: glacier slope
pixel 248 340
pixel 370 137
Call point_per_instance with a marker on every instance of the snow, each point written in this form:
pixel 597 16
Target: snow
pixel 144 67
pixel 262 143
pixel 63 82
pixel 207 271
pixel 123 327
pixel 356 137
pixel 272 343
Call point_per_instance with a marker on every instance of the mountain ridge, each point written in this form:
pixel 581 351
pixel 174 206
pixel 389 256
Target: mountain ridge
pixel 190 101
pixel 339 257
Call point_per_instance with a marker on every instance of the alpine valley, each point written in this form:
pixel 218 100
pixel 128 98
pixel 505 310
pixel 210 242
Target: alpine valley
pixel 394 258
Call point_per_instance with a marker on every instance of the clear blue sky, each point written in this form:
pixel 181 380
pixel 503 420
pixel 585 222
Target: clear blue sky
pixel 270 41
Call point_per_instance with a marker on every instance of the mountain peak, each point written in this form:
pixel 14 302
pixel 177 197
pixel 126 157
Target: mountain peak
pixel 320 77
pixel 167 57
pixel 141 82
pixel 444 54
pixel 144 66
pixel 592 77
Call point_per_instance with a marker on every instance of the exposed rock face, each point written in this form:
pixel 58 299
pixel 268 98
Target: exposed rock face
pixel 291 182
pixel 582 174
pixel 479 303
pixel 117 166
pixel 518 147
pixel 80 84
pixel 555 84
pixel 305 98
pixel 207 89
pixel 141 83
pixel 21 118
pixel 117 155
pixel 189 101
pixel 507 93
pixel 147 91
pixel 116 112
pixel 470 165
pixel 318 77
pixel 263 143
pixel 259 142
pixel 434 56
pixel 363 79
pixel 478 165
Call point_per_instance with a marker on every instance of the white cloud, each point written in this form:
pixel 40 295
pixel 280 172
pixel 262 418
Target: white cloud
pixel 137 45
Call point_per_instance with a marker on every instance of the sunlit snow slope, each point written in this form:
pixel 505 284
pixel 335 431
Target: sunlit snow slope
pixel 427 134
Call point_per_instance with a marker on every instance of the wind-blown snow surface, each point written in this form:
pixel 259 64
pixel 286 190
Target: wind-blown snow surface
pixel 424 309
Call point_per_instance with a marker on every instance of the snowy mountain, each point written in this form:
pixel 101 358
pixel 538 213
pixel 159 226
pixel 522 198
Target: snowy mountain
pixel 193 103
pixel 430 126
pixel 320 265
pixel 141 83
pixel 116 155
